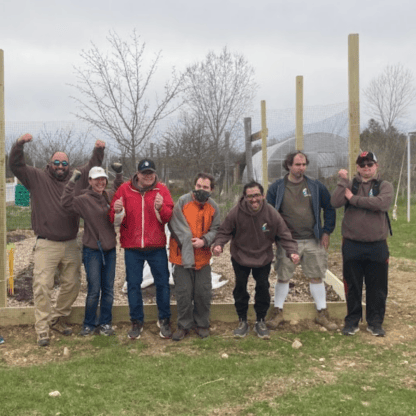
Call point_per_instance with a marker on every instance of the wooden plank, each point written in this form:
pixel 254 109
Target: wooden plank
pixel 299 112
pixel 258 135
pixel 264 147
pixel 3 253
pixel 336 284
pixel 224 312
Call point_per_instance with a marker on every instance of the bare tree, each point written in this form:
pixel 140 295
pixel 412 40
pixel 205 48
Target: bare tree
pixel 390 94
pixel 115 87
pixel 220 90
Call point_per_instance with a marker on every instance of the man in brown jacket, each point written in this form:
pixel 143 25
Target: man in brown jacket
pixel 56 231
pixel 365 253
pixel 253 226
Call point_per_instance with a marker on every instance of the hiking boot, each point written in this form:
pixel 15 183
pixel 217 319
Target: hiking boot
pixel 242 329
pixel 261 330
pixel 276 319
pixel 202 332
pixel 136 330
pixel 87 330
pixel 323 320
pixel 164 325
pixel 59 325
pixel 179 334
pixel 376 330
pixel 107 330
pixel 350 329
pixel 43 339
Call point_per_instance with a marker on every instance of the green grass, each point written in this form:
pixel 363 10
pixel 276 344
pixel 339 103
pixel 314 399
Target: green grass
pixel 18 218
pixel 193 378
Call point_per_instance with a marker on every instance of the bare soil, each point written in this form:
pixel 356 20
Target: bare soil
pixel 20 346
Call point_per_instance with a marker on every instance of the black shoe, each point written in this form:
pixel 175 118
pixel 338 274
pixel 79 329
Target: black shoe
pixel 136 330
pixel 59 325
pixel 261 330
pixel 180 334
pixel 164 325
pixel 376 330
pixel 350 329
pixel 242 330
pixel 43 339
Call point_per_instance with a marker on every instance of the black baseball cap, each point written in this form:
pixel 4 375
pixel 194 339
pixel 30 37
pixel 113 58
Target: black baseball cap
pixel 370 156
pixel 146 164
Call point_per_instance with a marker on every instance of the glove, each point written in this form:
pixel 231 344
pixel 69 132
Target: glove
pixel 75 176
pixel 117 167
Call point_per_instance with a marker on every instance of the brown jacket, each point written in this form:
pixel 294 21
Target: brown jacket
pixel 49 219
pixel 252 234
pixel 365 218
pixel 94 208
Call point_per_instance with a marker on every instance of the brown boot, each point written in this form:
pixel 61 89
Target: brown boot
pixel 276 318
pixel 323 320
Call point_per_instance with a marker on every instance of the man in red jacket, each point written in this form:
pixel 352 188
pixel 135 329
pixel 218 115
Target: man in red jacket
pixel 143 206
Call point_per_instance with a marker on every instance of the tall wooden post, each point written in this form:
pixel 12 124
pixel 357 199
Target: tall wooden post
pixel 264 146
pixel 227 161
pixel 353 101
pixel 3 248
pixel 249 154
pixel 299 112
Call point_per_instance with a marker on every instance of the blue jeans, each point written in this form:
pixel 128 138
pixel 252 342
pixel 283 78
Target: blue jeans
pixel 158 262
pixel 100 279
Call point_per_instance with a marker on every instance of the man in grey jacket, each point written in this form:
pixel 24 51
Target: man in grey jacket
pixel 56 231
pixel 300 200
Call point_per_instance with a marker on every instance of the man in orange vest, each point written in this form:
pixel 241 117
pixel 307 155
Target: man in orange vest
pixel 193 226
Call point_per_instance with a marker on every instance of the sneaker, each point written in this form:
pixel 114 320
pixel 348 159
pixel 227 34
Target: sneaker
pixel 43 339
pixel 376 330
pixel 107 330
pixel 242 330
pixel 59 325
pixel 261 330
pixel 350 329
pixel 323 320
pixel 1 340
pixel 276 319
pixel 164 325
pixel 87 331
pixel 179 334
pixel 202 332
pixel 136 330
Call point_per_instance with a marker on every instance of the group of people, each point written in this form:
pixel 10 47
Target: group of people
pixel 288 217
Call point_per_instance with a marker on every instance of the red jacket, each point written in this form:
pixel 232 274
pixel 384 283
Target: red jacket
pixel 142 225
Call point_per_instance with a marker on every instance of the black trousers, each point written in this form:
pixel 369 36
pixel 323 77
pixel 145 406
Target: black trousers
pixel 242 297
pixel 365 262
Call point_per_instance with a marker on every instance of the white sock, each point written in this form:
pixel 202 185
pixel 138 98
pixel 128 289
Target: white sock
pixel 319 295
pixel 280 292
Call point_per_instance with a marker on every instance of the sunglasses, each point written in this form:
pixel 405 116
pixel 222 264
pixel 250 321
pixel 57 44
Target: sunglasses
pixel 64 163
pixel 253 196
pixel 363 165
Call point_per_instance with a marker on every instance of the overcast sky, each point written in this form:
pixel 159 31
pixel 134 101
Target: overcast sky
pixel 42 40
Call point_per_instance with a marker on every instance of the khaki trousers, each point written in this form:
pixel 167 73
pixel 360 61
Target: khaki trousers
pixel 49 257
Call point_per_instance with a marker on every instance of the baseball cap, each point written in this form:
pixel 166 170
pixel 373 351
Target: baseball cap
pixel 97 172
pixel 146 164
pixel 370 156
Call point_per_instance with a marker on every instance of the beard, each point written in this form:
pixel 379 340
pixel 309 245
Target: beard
pixel 60 174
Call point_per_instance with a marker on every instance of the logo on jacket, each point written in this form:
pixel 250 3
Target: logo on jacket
pixel 264 228
pixel 305 192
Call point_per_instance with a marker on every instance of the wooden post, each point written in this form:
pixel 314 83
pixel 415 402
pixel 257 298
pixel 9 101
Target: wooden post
pixel 249 154
pixel 299 112
pixel 3 253
pixel 264 146
pixel 226 161
pixel 236 173
pixel 354 101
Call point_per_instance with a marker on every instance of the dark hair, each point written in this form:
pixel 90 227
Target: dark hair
pixel 253 184
pixel 204 175
pixel 291 156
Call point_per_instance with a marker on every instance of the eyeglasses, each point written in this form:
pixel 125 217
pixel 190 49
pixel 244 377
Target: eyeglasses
pixel 363 165
pixel 64 163
pixel 253 196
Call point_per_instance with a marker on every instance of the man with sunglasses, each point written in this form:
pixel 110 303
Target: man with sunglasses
pixel 56 230
pixel 300 200
pixel 365 253
pixel 253 226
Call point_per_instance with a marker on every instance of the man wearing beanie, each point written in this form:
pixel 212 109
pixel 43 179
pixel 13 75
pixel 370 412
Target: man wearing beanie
pixel 365 253
pixel 144 205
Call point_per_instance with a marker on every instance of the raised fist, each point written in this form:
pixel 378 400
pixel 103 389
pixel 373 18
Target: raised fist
pixel 117 167
pixel 25 138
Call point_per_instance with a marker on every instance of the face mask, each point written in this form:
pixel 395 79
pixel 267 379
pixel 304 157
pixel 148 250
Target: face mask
pixel 201 195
